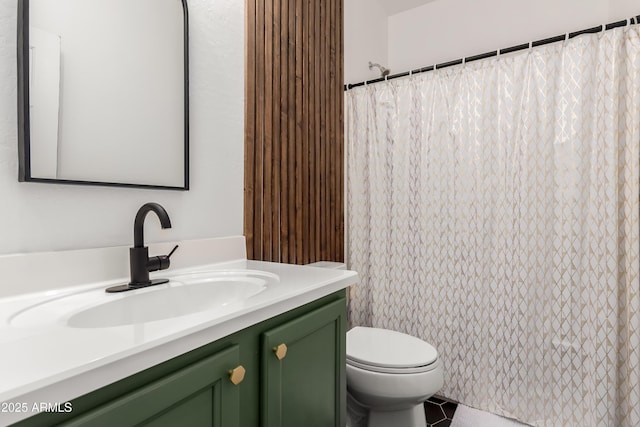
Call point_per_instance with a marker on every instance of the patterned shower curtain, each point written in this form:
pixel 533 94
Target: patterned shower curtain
pixel 493 211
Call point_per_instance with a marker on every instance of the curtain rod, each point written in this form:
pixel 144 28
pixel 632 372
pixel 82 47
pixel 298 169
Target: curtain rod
pixel 599 28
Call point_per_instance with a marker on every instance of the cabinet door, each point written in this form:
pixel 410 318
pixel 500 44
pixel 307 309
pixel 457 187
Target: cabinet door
pixel 306 385
pixel 200 394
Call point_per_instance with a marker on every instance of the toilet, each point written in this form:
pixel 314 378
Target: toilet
pixel 391 374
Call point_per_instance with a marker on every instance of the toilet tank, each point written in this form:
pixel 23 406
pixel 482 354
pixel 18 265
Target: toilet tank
pixel 329 264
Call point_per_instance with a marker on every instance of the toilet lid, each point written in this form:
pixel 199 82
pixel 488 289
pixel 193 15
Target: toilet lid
pixel 388 349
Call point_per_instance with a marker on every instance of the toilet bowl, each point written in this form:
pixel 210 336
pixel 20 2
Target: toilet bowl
pixel 391 374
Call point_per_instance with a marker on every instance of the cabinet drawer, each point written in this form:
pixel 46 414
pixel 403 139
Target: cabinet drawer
pixel 200 394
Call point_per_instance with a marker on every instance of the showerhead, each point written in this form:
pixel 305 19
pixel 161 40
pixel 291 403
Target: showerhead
pixel 384 72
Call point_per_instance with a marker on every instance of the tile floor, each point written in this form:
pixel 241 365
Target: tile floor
pixel 439 412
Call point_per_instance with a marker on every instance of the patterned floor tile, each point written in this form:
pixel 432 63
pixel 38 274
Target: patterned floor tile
pixel 439 412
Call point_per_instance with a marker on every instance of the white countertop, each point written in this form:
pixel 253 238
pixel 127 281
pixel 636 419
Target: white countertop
pixel 55 363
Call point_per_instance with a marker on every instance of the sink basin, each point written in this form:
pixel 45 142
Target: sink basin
pixel 183 295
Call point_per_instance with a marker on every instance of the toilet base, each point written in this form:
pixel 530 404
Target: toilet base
pixel 412 417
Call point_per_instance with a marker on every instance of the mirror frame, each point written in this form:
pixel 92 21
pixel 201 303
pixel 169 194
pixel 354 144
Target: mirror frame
pixel 24 135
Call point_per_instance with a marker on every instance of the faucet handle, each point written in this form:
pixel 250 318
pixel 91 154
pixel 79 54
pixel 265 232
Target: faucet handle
pixel 161 262
pixel 173 250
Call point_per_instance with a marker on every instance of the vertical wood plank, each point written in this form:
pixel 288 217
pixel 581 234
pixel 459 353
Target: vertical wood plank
pixel 292 131
pixel 311 97
pixel 305 133
pixel 299 149
pixel 284 130
pixel 327 174
pixel 324 194
pixel 317 233
pixel 274 220
pixel 268 130
pixel 334 126
pixel 259 141
pixel 249 114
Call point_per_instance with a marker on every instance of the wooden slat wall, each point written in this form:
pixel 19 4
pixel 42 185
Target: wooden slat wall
pixel 294 148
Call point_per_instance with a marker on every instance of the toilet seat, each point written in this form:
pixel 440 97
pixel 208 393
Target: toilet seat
pixel 384 370
pixel 385 351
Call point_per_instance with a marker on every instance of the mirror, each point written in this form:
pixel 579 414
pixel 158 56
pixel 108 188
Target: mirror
pixel 103 92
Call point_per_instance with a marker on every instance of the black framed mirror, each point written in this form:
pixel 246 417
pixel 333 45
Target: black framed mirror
pixel 103 93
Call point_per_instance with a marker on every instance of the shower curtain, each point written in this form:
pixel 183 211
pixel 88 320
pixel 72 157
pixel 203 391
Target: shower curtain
pixel 492 210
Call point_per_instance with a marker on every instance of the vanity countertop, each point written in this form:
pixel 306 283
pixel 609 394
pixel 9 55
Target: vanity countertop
pixel 52 362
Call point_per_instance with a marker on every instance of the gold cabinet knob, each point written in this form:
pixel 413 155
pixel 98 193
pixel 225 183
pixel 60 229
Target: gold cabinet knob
pixel 236 375
pixel 280 351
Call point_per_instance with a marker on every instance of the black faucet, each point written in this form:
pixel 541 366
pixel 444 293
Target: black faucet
pixel 139 260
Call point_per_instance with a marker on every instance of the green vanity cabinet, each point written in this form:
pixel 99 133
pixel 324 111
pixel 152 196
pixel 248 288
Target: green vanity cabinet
pixel 236 381
pixel 303 370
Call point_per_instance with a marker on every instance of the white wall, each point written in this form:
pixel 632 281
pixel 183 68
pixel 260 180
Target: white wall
pixel 445 30
pixel 39 217
pixel 365 39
